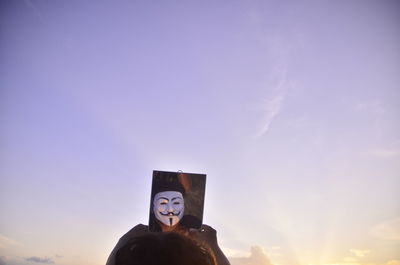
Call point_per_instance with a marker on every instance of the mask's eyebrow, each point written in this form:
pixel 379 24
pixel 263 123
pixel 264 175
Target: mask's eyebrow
pixel 165 198
pixel 176 198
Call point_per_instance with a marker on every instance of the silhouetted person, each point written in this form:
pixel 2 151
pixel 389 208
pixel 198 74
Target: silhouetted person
pixel 164 249
pixel 206 238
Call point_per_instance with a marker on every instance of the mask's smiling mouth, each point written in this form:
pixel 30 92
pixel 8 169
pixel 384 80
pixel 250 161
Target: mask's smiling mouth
pixel 170 214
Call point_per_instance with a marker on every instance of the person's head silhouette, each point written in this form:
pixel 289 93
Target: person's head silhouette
pixel 164 249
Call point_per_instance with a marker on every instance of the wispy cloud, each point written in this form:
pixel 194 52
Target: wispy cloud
pixel 360 252
pixel 388 230
pixel 6 242
pixel 272 105
pixel 44 260
pixel 257 257
pixel 235 253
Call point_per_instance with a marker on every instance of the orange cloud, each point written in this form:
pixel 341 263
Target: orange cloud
pixel 360 252
pixel 257 257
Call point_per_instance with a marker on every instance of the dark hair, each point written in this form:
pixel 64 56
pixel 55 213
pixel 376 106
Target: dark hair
pixel 167 181
pixel 164 249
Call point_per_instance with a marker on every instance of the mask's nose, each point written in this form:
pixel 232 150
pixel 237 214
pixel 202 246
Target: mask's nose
pixel 170 208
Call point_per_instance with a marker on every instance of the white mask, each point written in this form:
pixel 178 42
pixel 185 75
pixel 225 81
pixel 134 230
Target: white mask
pixel 168 207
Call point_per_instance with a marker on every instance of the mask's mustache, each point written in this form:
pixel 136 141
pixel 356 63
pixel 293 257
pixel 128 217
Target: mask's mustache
pixel 170 214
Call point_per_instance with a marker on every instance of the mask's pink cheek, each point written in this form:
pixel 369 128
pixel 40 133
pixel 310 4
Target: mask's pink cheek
pixel 161 208
pixel 179 207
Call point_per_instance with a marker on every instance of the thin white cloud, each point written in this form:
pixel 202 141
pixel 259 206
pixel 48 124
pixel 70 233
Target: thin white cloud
pixel 360 252
pixel 6 242
pixel 272 106
pixel 257 257
pixel 388 230
pixel 235 253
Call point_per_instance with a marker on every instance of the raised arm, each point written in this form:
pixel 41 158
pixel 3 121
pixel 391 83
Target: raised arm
pixel 134 232
pixel 208 235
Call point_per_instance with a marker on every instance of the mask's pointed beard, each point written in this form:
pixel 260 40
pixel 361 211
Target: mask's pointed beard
pixel 170 221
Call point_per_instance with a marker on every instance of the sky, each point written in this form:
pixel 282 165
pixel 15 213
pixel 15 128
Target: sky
pixel 291 108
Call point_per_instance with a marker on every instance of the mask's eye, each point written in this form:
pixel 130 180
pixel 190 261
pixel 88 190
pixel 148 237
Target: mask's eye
pixel 163 203
pixel 176 203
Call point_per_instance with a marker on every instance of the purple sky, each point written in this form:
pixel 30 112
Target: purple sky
pixel 291 108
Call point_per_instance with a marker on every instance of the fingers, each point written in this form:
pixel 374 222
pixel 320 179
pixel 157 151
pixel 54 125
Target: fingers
pixel 208 229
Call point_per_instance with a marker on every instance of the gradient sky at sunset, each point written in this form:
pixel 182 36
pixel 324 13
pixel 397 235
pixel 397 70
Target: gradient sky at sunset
pixel 291 108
